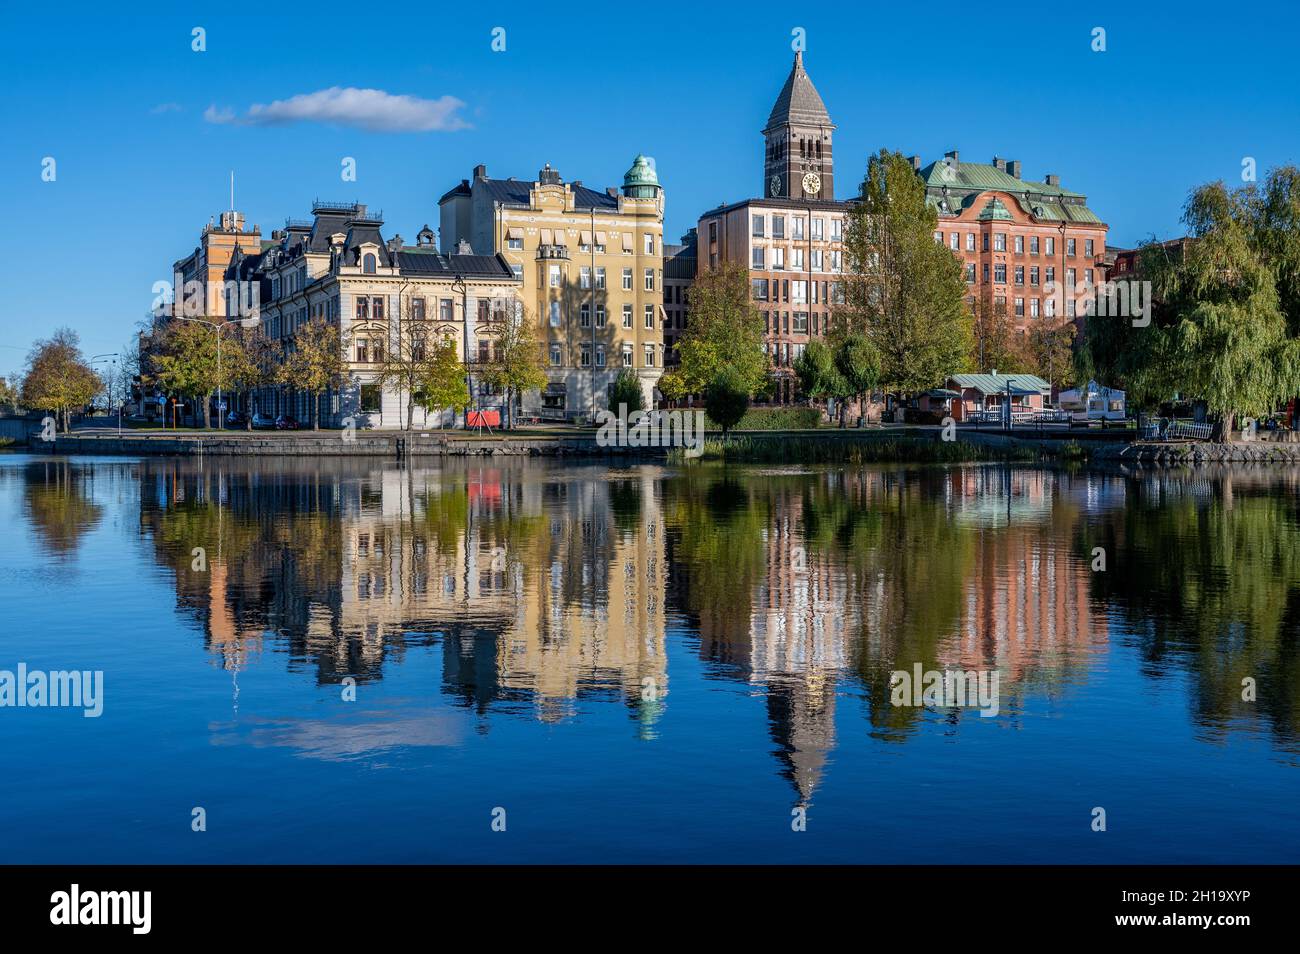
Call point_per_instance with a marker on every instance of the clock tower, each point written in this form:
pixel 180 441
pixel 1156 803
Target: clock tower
pixel 797 163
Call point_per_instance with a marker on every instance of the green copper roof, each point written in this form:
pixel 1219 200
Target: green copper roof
pixel 641 173
pixel 995 210
pixel 966 181
pixel 997 383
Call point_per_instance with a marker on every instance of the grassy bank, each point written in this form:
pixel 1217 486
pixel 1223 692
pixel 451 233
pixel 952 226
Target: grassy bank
pixel 874 449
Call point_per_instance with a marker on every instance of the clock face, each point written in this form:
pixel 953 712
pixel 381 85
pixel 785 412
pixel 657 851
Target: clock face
pixel 812 183
pixel 774 187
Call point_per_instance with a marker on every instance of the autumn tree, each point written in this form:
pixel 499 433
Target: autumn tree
pixel 516 364
pixel 994 341
pixel 902 290
pixel 186 363
pixel 313 362
pixel 441 382
pixel 725 331
pixel 57 378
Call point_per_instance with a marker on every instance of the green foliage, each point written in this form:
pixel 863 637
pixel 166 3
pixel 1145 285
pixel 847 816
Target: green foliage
pixel 858 363
pixel 903 291
pixel 626 390
pixel 819 378
pixel 725 331
pixel 57 378
pixel 782 418
pixel 751 448
pixel 441 382
pixel 516 365
pixel 313 362
pixel 727 398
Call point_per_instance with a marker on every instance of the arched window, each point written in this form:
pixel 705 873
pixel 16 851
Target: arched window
pixel 368 263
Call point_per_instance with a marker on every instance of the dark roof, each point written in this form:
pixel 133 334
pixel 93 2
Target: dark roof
pixel 515 192
pixel 433 264
pixel 799 101
pixel 787 205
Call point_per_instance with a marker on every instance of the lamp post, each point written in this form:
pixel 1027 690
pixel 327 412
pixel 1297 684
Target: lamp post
pixel 217 328
pixel 108 395
pixel 459 285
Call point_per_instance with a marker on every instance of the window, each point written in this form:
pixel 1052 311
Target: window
pixel 800 326
pixel 1087 247
pixel 1020 245
pixel 370 398
pixel 484 351
pixel 816 260
pixel 627 316
pixel 1020 308
pixel 518 271
pixel 1050 274
pixel 955 241
pixel 1087 277
pixel 483 310
pixel 649 244
pixel 363 309
pixel 1033 245
pixel 778 259
pixel 985 271
pixel 970 273
pixel 555 356
pixel 368 263
pixel 796 228
pixel 650 317
pixel 1069 307
pixel 758 226
pixel 586 356
pixel 1020 274
pixel 757 259
pixel 649 279
pixel 1033 308
pixel 649 356
pixel 417 309
pixel 376 309
pixel 1033 274
pixel 760 289
pixel 363 351
pixel 816 227
pixel 938 238
pixel 970 241
pixel 600 316
pixel 1069 278
pixel 555 314
pixel 1051 245
pixel 1000 241
pixel 837 230
pixel 514 243
pixel 1049 308
pixel 1000 273
pixel 778 226
pixel 584 277
pixel 799 292
pixel 627 356
pixel 600 356
pixel 600 276
pixel 1070 247
pixel 554 279
pixel 984 242
pixel 584 315
pixel 796 259
pixel 627 279
pixel 836 261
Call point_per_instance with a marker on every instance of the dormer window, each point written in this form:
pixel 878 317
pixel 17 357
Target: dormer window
pixel 368 263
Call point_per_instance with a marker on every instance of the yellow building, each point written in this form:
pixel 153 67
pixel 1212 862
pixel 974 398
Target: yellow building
pixel 591 264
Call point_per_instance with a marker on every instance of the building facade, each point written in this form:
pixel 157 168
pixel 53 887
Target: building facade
pixel 200 278
pixel 792 240
pixel 1033 248
pixel 381 295
pixel 680 264
pixel 590 265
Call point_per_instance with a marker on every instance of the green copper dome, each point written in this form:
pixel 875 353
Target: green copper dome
pixel 640 182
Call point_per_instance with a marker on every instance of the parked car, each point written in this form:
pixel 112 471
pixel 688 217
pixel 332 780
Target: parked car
pixel 286 422
pixel 263 422
pixel 236 419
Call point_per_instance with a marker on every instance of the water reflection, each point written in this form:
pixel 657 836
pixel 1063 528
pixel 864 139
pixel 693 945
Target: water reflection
pixel 545 588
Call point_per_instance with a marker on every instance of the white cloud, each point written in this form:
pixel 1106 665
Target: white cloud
pixel 370 109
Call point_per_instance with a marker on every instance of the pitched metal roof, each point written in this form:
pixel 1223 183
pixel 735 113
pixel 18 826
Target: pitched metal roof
pixel 965 181
pixel 515 192
pixel 998 383
pixel 419 262
pixel 799 101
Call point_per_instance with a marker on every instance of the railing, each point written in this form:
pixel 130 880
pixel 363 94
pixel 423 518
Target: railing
pixel 1178 430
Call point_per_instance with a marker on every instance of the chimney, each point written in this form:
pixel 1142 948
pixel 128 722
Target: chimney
pixel 611 192
pixel 360 211
pixel 480 172
pixel 1013 168
pixel 1053 180
pixel 999 164
pixel 916 163
pixel 953 156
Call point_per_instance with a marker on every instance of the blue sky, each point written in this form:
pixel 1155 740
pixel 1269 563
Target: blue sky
pixel 1183 92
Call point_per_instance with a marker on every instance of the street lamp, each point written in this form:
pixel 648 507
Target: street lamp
pixel 217 328
pixel 108 395
pixel 459 285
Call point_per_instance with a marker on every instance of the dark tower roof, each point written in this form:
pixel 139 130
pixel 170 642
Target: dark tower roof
pixel 799 102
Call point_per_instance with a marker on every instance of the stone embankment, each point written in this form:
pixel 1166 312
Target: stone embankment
pixel 1174 453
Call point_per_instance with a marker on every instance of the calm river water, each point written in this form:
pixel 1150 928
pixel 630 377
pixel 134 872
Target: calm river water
pixel 351 661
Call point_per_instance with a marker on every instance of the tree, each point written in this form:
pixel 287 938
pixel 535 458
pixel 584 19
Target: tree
pixel 725 331
pixel 249 360
pixel 903 290
pixel 727 399
pixel 403 366
pixel 10 391
pixel 58 378
pixel 859 366
pixel 819 378
pixel 1219 330
pixel 441 384
pixel 626 390
pixel 1051 350
pixel 516 364
pixel 187 361
pixel 313 362
pixel 993 339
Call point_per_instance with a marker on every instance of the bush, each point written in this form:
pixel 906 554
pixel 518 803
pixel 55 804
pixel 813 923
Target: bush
pixel 626 389
pixel 776 419
pixel 727 399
